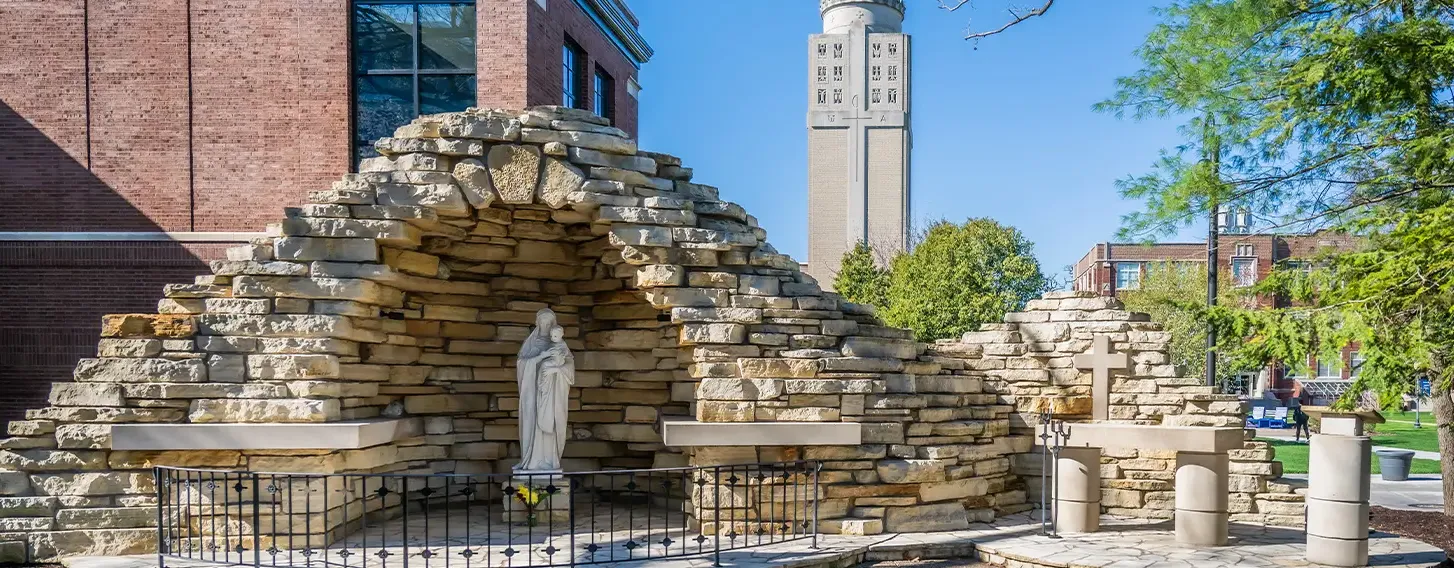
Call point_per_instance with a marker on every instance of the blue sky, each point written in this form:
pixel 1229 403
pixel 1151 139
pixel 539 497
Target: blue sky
pixel 1003 131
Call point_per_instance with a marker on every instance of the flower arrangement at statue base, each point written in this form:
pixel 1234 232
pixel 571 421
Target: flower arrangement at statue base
pixel 536 500
pixel 530 497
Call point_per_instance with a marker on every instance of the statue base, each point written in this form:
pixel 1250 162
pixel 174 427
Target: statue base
pixel 543 495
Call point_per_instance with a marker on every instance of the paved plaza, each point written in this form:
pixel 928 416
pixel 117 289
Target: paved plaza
pixel 1122 543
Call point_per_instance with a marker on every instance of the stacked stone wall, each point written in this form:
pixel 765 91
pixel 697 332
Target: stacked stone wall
pixel 405 290
pixel 1028 363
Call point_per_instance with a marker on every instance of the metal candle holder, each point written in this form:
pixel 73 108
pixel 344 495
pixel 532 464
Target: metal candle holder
pixel 1053 435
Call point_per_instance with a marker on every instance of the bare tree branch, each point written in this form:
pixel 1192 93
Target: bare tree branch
pixel 1018 17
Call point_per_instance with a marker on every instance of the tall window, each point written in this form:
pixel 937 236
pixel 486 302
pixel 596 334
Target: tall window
pixel 604 89
pixel 1329 368
pixel 1244 272
pixel 1128 275
pixel 573 75
pixel 1355 360
pixel 409 58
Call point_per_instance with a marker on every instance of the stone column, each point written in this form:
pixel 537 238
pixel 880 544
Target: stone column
pixel 1201 498
pixel 1338 491
pixel 1078 490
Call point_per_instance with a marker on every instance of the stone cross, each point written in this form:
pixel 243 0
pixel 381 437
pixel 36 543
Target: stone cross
pixel 1100 361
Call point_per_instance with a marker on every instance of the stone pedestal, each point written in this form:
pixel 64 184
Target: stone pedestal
pixel 553 507
pixel 1201 498
pixel 1337 500
pixel 1078 490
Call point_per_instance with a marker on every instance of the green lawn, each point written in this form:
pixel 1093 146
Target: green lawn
pixel 1399 432
pixel 1294 457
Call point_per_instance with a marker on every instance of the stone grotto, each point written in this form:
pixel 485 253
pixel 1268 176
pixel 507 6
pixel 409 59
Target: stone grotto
pixel 375 330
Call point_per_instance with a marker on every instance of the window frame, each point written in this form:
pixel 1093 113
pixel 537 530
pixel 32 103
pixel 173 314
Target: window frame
pixel 1250 262
pixel 603 93
pixel 1140 273
pixel 357 145
pixel 573 81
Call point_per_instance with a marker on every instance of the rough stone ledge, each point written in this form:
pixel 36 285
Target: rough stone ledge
pixel 319 436
pixel 692 433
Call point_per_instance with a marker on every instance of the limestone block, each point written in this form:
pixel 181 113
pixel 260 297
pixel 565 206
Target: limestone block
pixel 446 403
pixel 94 483
pixel 912 470
pixel 514 171
pixel 646 215
pixel 559 181
pixel 722 411
pixel 292 367
pixel 583 139
pixel 27 506
pixel 739 389
pixel 226 368
pixel 106 518
pixel 926 518
pixel 706 333
pixel 953 490
pixel 623 339
pixel 51 460
pixel 880 347
pixel 284 326
pixel 657 275
pixel 445 199
pixel 309 248
pixel 626 433
pixel 166 326
pixel 591 157
pixel 128 348
pixel 51 545
pixel 255 411
pixel 804 414
pixel 121 370
pixel 83 394
pixel 779 368
pixel 83 436
pixel 733 315
pixel 687 297
pixel 389 232
pixel 640 235
pixel 316 288
pixel 615 361
pixel 30 427
pixel 14 483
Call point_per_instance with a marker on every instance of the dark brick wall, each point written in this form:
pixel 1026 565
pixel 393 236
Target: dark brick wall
pixel 53 295
pixel 546 38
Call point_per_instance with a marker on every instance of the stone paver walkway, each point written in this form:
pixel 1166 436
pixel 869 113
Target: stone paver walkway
pixel 1122 543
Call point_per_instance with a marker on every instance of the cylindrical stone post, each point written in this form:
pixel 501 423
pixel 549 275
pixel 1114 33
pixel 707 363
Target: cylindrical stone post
pixel 1201 498
pixel 1078 490
pixel 1338 491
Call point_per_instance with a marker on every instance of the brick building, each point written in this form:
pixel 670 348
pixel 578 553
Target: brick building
pixel 1243 260
pixel 131 133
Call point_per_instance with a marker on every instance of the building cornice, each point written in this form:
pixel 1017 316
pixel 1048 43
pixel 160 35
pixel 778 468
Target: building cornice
pixel 619 25
pixel 824 5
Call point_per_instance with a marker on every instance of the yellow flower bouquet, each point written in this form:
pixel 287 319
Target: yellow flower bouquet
pixel 530 497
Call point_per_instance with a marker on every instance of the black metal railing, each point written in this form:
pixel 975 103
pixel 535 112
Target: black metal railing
pixel 439 520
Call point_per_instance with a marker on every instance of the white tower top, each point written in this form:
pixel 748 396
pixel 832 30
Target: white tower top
pixel 878 16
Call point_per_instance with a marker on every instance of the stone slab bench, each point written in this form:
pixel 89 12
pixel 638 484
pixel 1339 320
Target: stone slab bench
pixel 677 433
pixel 347 435
pixel 1201 439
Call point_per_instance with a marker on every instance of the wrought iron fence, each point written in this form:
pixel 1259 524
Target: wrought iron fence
pixel 439 520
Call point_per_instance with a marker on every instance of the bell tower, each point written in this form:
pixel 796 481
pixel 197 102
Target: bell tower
pixel 859 136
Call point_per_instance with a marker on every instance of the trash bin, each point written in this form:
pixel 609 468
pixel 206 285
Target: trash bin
pixel 1395 464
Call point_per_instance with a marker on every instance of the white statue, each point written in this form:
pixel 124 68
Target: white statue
pixel 545 371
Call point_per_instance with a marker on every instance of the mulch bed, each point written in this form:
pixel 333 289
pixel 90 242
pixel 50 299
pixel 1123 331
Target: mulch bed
pixel 1433 527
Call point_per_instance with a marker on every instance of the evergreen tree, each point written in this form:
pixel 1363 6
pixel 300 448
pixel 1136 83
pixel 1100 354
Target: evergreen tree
pixel 860 279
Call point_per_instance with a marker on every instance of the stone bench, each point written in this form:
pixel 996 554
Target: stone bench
pixel 347 435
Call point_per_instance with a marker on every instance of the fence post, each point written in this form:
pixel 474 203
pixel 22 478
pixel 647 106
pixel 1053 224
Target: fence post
pixel 257 526
pixel 156 476
pixel 717 515
pixel 817 466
